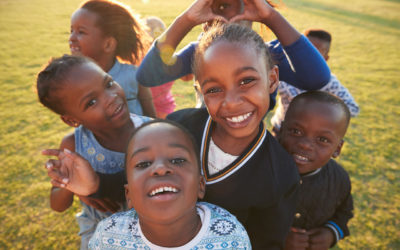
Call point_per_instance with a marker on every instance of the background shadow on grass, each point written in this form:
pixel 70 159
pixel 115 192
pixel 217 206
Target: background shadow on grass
pixel 347 17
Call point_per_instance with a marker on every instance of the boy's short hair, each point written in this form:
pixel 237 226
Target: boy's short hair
pixel 323 97
pixel 174 124
pixel 52 78
pixel 320 34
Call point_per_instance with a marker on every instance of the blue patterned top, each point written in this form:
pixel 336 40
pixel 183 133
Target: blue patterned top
pixel 287 92
pixel 219 230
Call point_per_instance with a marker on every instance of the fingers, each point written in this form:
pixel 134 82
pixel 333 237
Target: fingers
pixel 56 176
pixel 51 152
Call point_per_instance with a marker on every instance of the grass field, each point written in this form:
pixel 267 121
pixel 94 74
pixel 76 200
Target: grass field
pixel 365 56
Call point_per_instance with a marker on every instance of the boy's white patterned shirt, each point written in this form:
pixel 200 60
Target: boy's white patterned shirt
pixel 220 230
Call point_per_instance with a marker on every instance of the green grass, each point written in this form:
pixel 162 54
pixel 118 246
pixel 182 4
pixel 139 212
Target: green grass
pixel 365 57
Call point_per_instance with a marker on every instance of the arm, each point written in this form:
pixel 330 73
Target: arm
pixel 146 101
pixel 61 198
pixel 300 64
pixel 160 65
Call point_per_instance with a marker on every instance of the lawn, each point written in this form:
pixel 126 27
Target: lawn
pixel 365 56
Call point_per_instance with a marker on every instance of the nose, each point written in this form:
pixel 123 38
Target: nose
pixel 111 97
pixel 232 99
pixel 160 168
pixel 306 143
pixel 72 36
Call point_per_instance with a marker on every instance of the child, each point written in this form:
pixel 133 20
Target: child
pixel 164 183
pixel 299 62
pixel 87 99
pixel 163 100
pixel 312 133
pixel 321 39
pixel 110 34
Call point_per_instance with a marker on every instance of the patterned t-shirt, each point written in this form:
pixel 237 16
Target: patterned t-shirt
pixel 219 230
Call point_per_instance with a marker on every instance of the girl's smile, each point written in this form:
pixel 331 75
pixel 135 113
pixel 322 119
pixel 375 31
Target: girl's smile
pixel 236 83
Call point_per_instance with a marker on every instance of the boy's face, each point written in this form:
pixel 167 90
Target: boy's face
pixel 236 83
pixel 164 180
pixel 86 38
pixel 322 46
pixel 312 133
pixel 90 97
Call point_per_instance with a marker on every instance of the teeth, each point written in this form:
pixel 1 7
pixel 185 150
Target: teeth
pixel 118 109
pixel 300 157
pixel 163 189
pixel 239 118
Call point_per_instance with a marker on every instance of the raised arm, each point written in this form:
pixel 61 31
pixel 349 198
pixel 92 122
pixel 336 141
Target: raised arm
pixel 161 65
pixel 300 64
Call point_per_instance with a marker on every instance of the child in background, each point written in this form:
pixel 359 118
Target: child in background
pixel 321 39
pixel 299 62
pixel 110 34
pixel 163 100
pixel 87 99
pixel 164 183
pixel 312 133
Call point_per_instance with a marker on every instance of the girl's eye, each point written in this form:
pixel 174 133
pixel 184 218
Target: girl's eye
pixel 246 81
pixel 110 84
pixel 91 103
pixel 213 90
pixel 143 164
pixel 178 161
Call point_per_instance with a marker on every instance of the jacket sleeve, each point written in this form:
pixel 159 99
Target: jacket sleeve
pixel 343 213
pixel 153 71
pixel 300 64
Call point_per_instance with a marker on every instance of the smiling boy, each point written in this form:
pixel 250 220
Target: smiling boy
pixel 164 183
pixel 312 133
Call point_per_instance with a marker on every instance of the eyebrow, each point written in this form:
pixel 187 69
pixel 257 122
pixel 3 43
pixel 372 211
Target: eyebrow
pixel 174 145
pixel 83 100
pixel 237 72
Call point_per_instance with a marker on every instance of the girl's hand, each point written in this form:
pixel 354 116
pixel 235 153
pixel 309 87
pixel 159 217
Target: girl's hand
pixel 201 11
pixel 255 10
pixel 71 171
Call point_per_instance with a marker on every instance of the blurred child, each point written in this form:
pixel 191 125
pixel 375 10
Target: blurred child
pixel 110 34
pixel 163 100
pixel 89 100
pixel 164 183
pixel 321 39
pixel 312 133
pixel 299 62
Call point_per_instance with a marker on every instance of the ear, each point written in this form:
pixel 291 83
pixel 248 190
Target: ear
pixel 202 188
pixel 128 200
pixel 70 121
pixel 338 149
pixel 273 77
pixel 110 44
